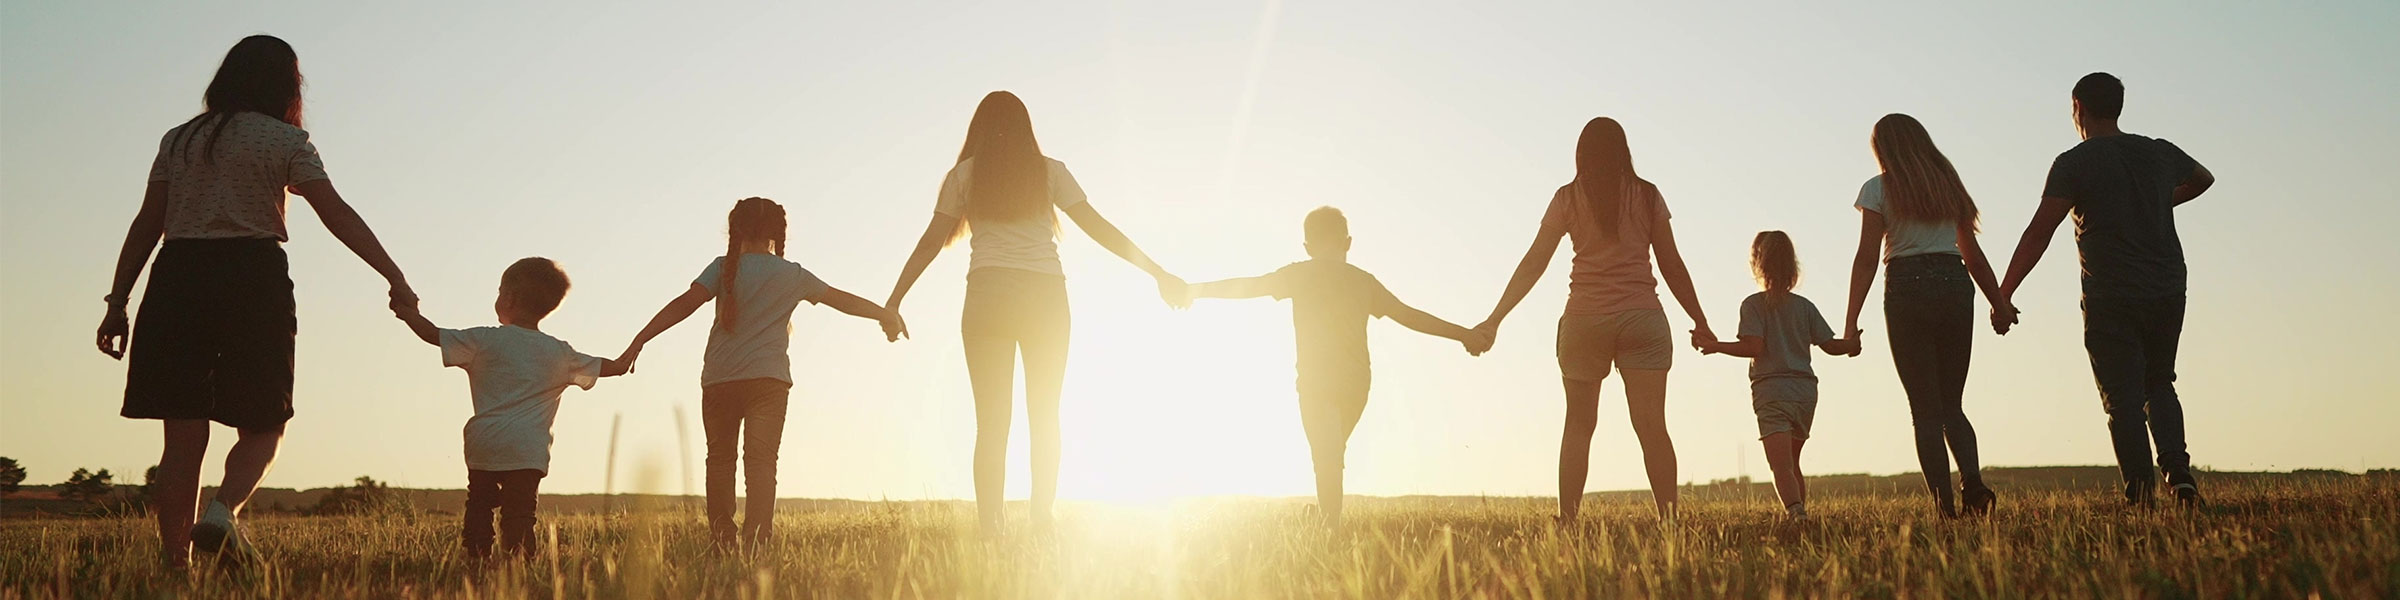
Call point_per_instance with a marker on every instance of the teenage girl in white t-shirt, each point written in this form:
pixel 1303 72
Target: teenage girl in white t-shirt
pixel 1918 218
pixel 1008 194
pixel 215 337
pixel 746 372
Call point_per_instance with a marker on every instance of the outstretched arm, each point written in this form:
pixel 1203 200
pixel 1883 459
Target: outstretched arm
pixel 1244 287
pixel 1476 342
pixel 1979 268
pixel 1678 278
pixel 2029 251
pixel 1748 346
pixel 418 324
pixel 1107 234
pixel 612 367
pixel 149 224
pixel 1863 266
pixel 674 312
pixel 1529 271
pixel 851 304
pixel 929 244
pixel 345 224
pixel 2194 185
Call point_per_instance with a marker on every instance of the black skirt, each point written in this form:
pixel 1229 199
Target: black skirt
pixel 214 337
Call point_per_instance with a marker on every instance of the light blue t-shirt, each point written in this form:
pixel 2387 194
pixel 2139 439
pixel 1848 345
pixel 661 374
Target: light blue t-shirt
pixel 1788 330
pixel 758 345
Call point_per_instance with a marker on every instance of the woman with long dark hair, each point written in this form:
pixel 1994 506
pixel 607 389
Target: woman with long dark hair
pixel 1004 195
pixel 1618 221
pixel 1917 217
pixel 215 341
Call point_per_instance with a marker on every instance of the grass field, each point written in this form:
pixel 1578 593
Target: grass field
pixel 2331 537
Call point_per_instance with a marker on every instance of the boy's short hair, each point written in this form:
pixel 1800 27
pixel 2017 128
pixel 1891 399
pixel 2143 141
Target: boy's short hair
pixel 2102 95
pixel 1326 223
pixel 535 285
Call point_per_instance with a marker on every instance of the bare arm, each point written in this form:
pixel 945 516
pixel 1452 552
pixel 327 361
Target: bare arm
pixel 423 327
pixel 1529 271
pixel 1107 234
pixel 938 232
pixel 2029 251
pixel 851 304
pixel 345 224
pixel 149 224
pixel 1863 266
pixel 1979 267
pixel 1245 287
pixel 1410 317
pixel 2195 185
pixel 1679 279
pixel 674 312
pixel 613 367
pixel 1748 346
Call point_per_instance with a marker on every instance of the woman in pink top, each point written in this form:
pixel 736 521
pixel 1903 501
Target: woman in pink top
pixel 1617 220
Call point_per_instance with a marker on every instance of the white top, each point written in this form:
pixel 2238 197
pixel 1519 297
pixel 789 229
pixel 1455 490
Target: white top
pixel 517 375
pixel 1901 240
pixel 759 346
pixel 1028 244
pixel 240 193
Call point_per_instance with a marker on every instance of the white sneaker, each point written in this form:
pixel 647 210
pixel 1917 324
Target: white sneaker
pixel 217 532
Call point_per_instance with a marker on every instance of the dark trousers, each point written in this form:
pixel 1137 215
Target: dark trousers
pixel 1329 412
pixel 513 493
pixel 1929 314
pixel 726 409
pixel 2132 343
pixel 1010 313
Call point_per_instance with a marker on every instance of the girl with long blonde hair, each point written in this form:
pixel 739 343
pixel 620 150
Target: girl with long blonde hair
pixel 1917 218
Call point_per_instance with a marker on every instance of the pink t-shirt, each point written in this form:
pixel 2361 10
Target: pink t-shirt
pixel 1610 275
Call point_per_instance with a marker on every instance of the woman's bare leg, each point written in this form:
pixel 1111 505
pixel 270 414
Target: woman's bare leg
pixel 1575 446
pixel 176 497
pixel 1646 402
pixel 246 464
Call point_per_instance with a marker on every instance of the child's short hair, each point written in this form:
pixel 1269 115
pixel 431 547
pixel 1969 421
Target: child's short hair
pixel 1773 262
pixel 1326 223
pixel 535 285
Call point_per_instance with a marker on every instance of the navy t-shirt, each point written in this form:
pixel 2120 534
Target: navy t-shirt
pixel 2123 190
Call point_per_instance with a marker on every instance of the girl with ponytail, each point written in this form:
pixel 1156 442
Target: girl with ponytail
pixel 1917 218
pixel 746 371
pixel 1777 328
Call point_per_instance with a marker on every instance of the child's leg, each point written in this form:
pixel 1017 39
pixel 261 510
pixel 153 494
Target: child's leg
pixel 1328 414
pixel 1783 457
pixel 483 494
pixel 519 490
pixel 760 445
pixel 721 422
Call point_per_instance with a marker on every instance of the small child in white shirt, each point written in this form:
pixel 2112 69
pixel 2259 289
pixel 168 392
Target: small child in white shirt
pixel 516 374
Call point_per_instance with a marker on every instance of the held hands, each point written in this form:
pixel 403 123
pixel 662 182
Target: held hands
pixel 631 353
pixel 1848 346
pixel 1477 342
pixel 1489 331
pixel 404 300
pixel 893 327
pixel 1703 339
pixel 1176 292
pixel 2004 316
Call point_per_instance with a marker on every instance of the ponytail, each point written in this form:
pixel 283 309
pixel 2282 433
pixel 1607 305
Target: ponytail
pixel 752 221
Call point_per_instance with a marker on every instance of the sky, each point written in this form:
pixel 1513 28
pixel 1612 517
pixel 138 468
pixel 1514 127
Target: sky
pixel 613 138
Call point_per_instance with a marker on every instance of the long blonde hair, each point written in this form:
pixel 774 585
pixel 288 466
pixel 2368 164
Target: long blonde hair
pixel 1919 185
pixel 1775 265
pixel 752 220
pixel 1603 170
pixel 1011 177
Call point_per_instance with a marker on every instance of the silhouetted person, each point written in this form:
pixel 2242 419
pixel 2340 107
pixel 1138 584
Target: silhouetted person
pixel 1777 328
pixel 1918 217
pixel 746 370
pixel 2123 190
pixel 216 330
pixel 1617 221
pixel 1331 301
pixel 1008 195
pixel 516 374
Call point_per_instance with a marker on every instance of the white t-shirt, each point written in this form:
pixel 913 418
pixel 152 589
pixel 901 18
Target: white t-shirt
pixel 759 346
pixel 517 375
pixel 240 193
pixel 1901 240
pixel 1028 244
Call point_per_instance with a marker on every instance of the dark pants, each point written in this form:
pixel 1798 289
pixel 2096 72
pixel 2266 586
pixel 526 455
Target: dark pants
pixel 513 492
pixel 725 410
pixel 2132 343
pixel 1329 412
pixel 1008 313
pixel 1929 314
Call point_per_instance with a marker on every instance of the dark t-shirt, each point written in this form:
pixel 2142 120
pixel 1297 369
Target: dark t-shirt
pixel 2123 189
pixel 1331 301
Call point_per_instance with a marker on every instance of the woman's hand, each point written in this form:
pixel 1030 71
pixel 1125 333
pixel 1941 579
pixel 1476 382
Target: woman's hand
pixel 404 300
pixel 1176 292
pixel 894 327
pixel 1489 329
pixel 2004 315
pixel 627 358
pixel 1702 338
pixel 114 330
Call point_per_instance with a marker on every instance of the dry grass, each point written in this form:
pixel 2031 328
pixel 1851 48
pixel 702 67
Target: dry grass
pixel 2335 538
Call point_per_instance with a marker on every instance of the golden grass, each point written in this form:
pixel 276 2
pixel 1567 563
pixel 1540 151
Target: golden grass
pixel 2335 538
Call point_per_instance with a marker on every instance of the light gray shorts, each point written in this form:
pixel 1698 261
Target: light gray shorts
pixel 1784 405
pixel 1629 339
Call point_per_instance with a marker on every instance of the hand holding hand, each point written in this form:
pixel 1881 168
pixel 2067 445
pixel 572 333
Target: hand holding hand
pixel 1855 345
pixel 1703 339
pixel 114 330
pixel 894 327
pixel 1176 292
pixel 1477 342
pixel 1848 346
pixel 404 300
pixel 1490 330
pixel 2004 316
pixel 628 357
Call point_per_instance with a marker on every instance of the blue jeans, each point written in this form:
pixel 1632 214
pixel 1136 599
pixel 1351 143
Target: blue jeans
pixel 2132 342
pixel 1929 312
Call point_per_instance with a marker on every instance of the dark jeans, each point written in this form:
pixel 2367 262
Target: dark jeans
pixel 1008 313
pixel 514 493
pixel 725 409
pixel 2132 343
pixel 1929 314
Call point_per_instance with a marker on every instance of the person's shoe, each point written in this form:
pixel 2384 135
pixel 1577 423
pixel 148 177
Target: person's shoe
pixel 2188 495
pixel 213 528
pixel 1979 501
pixel 2141 496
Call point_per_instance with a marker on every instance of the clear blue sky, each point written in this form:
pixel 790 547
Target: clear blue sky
pixel 614 137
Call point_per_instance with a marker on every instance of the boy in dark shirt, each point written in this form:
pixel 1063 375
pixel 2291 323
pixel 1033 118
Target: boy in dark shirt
pixel 1331 301
pixel 2123 189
